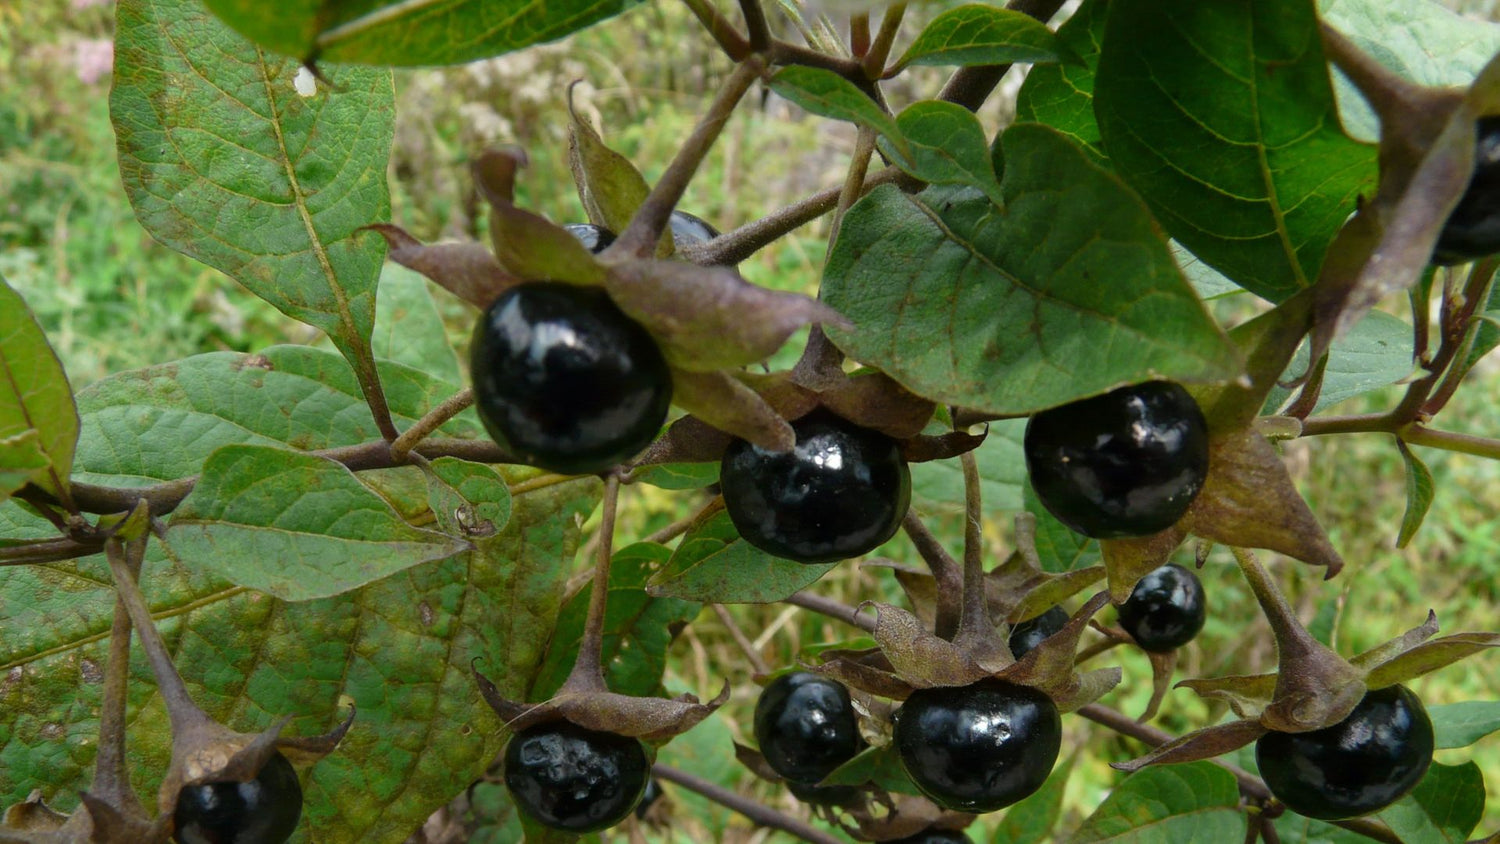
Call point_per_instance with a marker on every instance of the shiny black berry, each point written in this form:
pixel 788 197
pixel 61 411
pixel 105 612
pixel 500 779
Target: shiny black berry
pixel 564 380
pixel 1127 463
pixel 264 810
pixel 840 493
pixel 1165 610
pixel 574 779
pixel 1030 633
pixel 805 726
pixel 1360 765
pixel 691 230
pixel 594 238
pixel 980 747
pixel 1473 228
pixel 934 836
pixel 648 797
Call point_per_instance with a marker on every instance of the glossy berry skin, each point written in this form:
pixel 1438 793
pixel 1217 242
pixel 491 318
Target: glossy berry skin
pixel 1030 633
pixel 805 726
pixel 594 238
pixel 691 230
pixel 648 797
pixel 564 380
pixel 1165 610
pixel 1360 765
pixel 573 779
pixel 980 747
pixel 264 810
pixel 934 836
pixel 1473 227
pixel 1127 463
pixel 840 493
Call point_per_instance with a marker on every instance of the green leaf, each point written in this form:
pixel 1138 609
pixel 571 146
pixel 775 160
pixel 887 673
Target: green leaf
pixel 712 563
pixel 21 458
pixel 1487 332
pixel 162 422
pixel 225 162
pixel 938 485
pixel 1462 724
pixel 679 475
pixel 828 94
pixel 1445 807
pixel 408 327
pixel 34 396
pixel 947 146
pixel 638 628
pixel 978 34
pixel 295 526
pixel 1222 116
pixel 405 34
pixel 1032 820
pixel 1196 801
pixel 400 650
pixel 609 185
pixel 1419 494
pixel 1062 95
pixel 1375 353
pixel 1059 547
pixel 467 499
pixel 879 765
pixel 1068 292
pixel 1295 829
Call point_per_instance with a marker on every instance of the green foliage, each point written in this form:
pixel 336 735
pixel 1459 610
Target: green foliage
pixel 1192 802
pixel 38 421
pixel 978 34
pixel 712 563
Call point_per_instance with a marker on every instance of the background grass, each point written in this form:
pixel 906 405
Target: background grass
pixel 112 299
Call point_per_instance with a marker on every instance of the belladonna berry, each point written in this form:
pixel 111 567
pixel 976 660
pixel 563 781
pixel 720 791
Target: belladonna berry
pixel 1165 610
pixel 1473 228
pixel 1033 631
pixel 264 810
pixel 980 747
pixel 594 238
pixel 691 230
pixel 805 726
pixel 564 380
pixel 1127 463
pixel 934 836
pixel 574 779
pixel 841 492
pixel 1360 765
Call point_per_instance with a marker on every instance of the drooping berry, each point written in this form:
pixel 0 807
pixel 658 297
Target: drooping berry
pixel 1473 227
pixel 1165 610
pixel 841 492
pixel 805 726
pixel 690 229
pixel 574 779
pixel 1127 463
pixel 264 810
pixel 1031 632
pixel 594 238
pixel 565 381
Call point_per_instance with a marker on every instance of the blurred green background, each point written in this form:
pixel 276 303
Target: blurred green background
pixel 112 299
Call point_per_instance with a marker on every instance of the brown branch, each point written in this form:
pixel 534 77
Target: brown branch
pixel 873 62
pixel 48 551
pixel 746 646
pixel 588 669
pixel 831 608
pixel 374 392
pixel 730 41
pixel 760 814
pixel 434 419
pixel 756 25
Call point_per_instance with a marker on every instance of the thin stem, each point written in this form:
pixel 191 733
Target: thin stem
pixel 831 608
pixel 1451 441
pixel 435 418
pixel 746 646
pixel 783 53
pixel 374 391
pixel 640 237
pixel 1268 831
pixel 111 779
pixel 679 527
pixel 874 61
pixel 854 182
pixel 731 42
pixel 950 578
pixel 755 24
pixel 48 551
pixel 588 671
pixel 975 620
pixel 1476 295
pixel 1363 423
pixel 758 813
pixel 859 34
pixel 739 244
pixel 1387 92
pixel 971 86
pixel 541 482
pixel 182 712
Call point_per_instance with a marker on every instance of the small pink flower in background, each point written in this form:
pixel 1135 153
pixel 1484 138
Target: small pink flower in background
pixel 93 58
pixel 89 4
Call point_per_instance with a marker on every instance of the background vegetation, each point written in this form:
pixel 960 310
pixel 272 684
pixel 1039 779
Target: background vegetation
pixel 111 299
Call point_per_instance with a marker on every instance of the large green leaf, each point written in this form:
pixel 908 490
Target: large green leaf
pixel 1197 801
pixel 1375 353
pixel 638 628
pixel 296 526
pixel 946 146
pixel 404 33
pixel 1068 292
pixel 980 34
pixel 1443 809
pixel 938 485
pixel 1223 117
pixel 1462 724
pixel 400 650
pixel 1062 95
pixel 162 422
pixel 38 421
pixel 408 327
pixel 712 563
pixel 225 162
